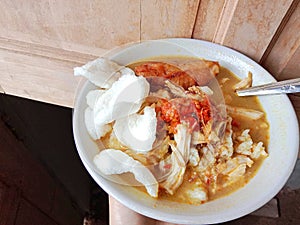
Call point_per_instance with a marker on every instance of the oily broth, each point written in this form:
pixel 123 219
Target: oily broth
pixel 259 131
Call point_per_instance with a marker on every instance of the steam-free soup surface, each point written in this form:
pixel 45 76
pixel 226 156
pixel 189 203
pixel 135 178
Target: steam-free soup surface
pixel 222 185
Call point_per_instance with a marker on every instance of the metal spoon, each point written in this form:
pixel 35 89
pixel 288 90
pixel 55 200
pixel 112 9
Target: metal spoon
pixel 282 87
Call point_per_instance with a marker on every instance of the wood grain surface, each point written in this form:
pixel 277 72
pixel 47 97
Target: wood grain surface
pixel 171 18
pixel 41 42
pixel 250 25
pixel 284 57
pixel 208 19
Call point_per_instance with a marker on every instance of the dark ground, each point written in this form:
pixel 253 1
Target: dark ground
pixel 37 123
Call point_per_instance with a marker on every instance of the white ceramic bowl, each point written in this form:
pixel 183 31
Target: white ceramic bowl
pixel 271 177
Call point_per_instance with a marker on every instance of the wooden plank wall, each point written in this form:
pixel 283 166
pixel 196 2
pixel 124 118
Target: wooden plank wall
pixel 41 41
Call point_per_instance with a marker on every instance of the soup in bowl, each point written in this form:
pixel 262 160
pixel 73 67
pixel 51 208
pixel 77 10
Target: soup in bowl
pixel 195 157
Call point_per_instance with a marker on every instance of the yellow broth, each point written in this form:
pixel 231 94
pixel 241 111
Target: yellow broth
pixel 259 131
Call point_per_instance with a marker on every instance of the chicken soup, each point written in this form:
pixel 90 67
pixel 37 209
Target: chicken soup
pixel 159 120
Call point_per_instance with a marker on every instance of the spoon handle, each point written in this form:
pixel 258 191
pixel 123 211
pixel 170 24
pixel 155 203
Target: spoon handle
pixel 282 87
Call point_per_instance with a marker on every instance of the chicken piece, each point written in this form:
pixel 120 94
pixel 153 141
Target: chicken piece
pixel 213 139
pixel 232 167
pixel 239 171
pixel 175 178
pixel 244 160
pixel 198 138
pixel 258 150
pixel 160 69
pixel 193 92
pixel 245 143
pixel 245 83
pixel 198 195
pixel 159 152
pixel 244 112
pixel 201 90
pixel 224 80
pixel 184 73
pixel 207 158
pixel 246 146
pixel 226 148
pixel 179 157
pixel 183 141
pixel 161 93
pixel 194 157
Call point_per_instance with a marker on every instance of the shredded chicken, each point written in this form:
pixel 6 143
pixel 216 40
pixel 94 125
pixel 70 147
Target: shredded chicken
pixel 179 157
pixel 244 112
pixel 159 152
pixel 246 146
pixel 200 90
pixel 229 166
pixel 194 157
pixel 161 93
pixel 226 149
pixel 175 178
pixel 199 195
pixel 198 138
pixel 207 159
pixel 244 143
pixel 224 80
pixel 193 92
pixel 234 168
pixel 245 83
pixel 258 150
